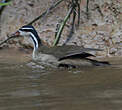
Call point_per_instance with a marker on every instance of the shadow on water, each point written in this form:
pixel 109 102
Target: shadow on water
pixel 32 88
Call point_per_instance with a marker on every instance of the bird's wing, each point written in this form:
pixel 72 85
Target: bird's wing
pixel 75 56
pixel 68 51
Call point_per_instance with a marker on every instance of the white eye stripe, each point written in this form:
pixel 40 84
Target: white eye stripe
pixel 27 28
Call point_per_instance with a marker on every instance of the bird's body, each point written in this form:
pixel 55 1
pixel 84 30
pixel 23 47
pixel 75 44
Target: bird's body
pixel 64 56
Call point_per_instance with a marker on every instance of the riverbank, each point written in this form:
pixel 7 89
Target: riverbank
pixel 102 30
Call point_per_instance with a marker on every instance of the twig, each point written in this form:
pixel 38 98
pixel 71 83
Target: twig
pixel 7 39
pixel 72 27
pixel 46 12
pixel 74 8
pixel 62 26
pixel 43 14
pixel 78 5
pixel 98 9
pixel 87 9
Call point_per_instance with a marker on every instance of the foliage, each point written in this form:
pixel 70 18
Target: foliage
pixel 4 4
pixel 74 9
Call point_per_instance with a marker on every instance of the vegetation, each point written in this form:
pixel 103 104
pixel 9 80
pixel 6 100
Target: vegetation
pixel 73 11
pixel 4 4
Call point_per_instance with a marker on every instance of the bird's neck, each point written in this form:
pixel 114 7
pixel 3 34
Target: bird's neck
pixel 36 43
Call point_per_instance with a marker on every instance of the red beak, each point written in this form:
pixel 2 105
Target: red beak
pixel 16 33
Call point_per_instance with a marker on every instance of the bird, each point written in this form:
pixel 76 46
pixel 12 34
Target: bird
pixel 68 56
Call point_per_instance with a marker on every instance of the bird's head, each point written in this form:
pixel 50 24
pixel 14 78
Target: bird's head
pixel 30 31
pixel 26 30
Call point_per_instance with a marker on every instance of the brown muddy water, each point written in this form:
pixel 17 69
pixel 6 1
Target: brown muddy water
pixel 25 86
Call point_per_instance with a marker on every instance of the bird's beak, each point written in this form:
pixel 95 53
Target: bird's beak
pixel 17 33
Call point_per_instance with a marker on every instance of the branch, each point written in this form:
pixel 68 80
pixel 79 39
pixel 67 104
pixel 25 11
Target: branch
pixel 43 14
pixel 7 39
pixel 87 9
pixel 46 12
pixel 62 26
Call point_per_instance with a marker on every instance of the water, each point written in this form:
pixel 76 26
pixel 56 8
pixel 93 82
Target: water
pixel 23 87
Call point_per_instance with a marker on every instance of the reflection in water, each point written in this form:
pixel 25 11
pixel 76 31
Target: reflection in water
pixel 23 87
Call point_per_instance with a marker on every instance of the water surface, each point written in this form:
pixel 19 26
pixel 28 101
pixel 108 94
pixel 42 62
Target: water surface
pixel 25 86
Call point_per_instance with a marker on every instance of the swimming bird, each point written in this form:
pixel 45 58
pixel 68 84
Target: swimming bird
pixel 60 56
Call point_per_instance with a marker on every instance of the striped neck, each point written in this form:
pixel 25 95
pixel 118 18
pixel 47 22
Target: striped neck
pixel 36 42
pixel 29 30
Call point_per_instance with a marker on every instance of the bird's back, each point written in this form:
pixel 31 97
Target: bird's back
pixel 61 51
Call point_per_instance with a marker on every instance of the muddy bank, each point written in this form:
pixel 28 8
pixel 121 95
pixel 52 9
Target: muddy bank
pixel 102 30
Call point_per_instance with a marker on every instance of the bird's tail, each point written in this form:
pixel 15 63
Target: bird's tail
pixel 99 63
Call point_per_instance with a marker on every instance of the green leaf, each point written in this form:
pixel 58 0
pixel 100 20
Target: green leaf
pixel 4 4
